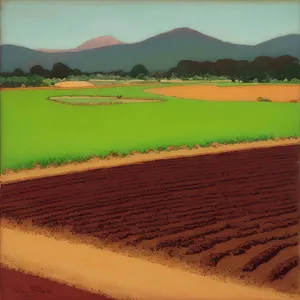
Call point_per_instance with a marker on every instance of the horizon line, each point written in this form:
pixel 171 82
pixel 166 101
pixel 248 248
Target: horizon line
pixel 150 37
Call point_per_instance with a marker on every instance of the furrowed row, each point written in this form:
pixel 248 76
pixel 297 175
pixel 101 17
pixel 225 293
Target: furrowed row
pixel 77 188
pixel 279 271
pixel 102 199
pixel 266 255
pixel 139 214
pixel 204 245
pixel 187 240
pixel 66 180
pixel 180 229
pixel 282 225
pixel 187 226
pixel 213 259
pixel 40 211
pixel 97 198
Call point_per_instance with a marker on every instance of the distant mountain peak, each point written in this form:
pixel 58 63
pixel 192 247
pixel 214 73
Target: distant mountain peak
pixel 158 53
pixel 184 29
pixel 98 42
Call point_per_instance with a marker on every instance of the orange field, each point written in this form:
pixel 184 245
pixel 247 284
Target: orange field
pixel 276 93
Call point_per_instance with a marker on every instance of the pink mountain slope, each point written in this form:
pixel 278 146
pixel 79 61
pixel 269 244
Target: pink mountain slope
pixel 102 41
pixel 98 42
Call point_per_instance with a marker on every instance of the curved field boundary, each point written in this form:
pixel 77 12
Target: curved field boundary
pixel 60 99
pixel 122 276
pixel 276 93
pixel 137 158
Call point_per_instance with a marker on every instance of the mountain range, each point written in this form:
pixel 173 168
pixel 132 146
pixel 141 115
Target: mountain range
pixel 158 53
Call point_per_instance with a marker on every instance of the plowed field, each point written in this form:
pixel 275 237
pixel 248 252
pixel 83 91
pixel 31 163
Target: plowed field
pixel 232 213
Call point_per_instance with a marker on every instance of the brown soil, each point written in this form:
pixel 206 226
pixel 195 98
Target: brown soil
pixel 17 285
pixel 120 276
pixel 137 158
pixel 276 93
pixel 71 84
pixel 233 213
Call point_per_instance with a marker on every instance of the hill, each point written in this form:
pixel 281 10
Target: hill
pixel 158 53
pixel 102 41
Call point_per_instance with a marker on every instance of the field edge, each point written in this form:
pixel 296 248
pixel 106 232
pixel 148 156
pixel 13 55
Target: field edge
pixel 53 168
pixel 60 237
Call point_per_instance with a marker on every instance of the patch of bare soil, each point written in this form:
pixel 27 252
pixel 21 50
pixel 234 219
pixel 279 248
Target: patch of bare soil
pixel 99 270
pixel 276 93
pixel 137 158
pixel 233 214
pixel 76 84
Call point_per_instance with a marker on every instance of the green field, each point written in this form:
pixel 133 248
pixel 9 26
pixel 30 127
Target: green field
pixel 35 129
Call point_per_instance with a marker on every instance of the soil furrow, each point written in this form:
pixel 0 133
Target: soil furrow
pixel 265 256
pixel 234 209
pixel 279 271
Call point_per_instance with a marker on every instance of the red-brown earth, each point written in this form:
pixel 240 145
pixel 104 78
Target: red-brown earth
pixel 20 286
pixel 232 213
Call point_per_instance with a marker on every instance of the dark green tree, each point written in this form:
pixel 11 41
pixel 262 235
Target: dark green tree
pixel 76 72
pixel 60 70
pixel 171 72
pixel 18 72
pixel 141 76
pixel 138 69
pixel 39 70
pixel 34 80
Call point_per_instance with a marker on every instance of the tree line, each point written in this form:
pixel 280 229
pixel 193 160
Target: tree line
pixel 261 69
pixel 60 70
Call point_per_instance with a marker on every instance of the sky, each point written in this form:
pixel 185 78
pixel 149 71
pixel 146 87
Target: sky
pixel 67 24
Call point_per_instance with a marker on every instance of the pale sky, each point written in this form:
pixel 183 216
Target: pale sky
pixel 67 24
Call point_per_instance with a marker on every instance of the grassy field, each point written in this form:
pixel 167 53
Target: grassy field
pixel 38 130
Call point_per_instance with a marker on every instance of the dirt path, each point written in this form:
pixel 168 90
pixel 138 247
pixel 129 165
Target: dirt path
pixel 138 158
pixel 99 270
pixel 277 93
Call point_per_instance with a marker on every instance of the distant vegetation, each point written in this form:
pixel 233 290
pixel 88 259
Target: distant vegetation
pixel 263 69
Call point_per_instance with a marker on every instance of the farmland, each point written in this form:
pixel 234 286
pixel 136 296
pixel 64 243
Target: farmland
pixel 49 132
pixel 277 93
pixel 154 162
pixel 229 211
pixel 232 214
